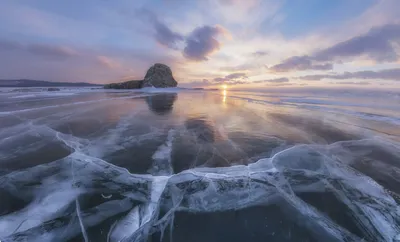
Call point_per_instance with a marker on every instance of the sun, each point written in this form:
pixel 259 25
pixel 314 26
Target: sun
pixel 224 86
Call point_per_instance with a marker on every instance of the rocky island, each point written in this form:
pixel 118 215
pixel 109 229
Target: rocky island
pixel 159 76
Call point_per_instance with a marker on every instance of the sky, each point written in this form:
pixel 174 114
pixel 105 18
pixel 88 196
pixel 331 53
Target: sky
pixel 207 43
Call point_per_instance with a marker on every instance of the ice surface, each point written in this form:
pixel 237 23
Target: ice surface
pixel 162 157
pixel 69 104
pixel 206 190
pixel 244 161
pixel 329 104
pixel 125 227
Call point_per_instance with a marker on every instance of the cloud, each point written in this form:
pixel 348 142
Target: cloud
pixel 162 33
pixel 203 82
pixel 228 2
pixel 165 36
pixel 50 51
pixel 237 82
pixel 245 13
pixel 107 62
pixel 202 42
pixel 275 80
pixel 199 44
pixel 316 77
pixel 300 63
pixel 244 67
pixel 259 53
pixel 220 79
pixel 236 76
pixel 351 83
pixel 231 79
pixel 377 44
pixel 215 82
pixel 282 84
pixel 9 45
pixel 53 52
pixel 387 74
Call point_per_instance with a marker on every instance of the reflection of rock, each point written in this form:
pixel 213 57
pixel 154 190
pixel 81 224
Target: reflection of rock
pixel 159 75
pixel 161 103
pixel 202 129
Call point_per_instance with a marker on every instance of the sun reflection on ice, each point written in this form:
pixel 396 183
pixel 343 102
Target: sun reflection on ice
pixel 224 93
pixel 224 87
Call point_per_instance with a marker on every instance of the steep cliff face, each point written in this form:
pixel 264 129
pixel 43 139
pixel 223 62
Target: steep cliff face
pixel 159 75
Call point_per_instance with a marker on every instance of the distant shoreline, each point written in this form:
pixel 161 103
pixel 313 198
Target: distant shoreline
pixel 37 83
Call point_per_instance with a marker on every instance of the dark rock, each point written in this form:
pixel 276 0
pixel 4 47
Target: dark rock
pixel 53 89
pixel 134 84
pixel 159 75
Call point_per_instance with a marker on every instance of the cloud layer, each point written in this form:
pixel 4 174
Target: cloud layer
pixel 162 32
pixel 231 79
pixel 275 80
pixel 202 42
pixel 198 44
pixel 52 52
pixel 300 63
pixel 387 74
pixel 378 44
pixel 212 41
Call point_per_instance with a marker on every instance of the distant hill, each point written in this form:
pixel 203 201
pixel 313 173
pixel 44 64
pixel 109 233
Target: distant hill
pixel 36 83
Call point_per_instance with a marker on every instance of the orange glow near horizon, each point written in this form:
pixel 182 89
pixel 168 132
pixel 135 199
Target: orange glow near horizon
pixel 224 86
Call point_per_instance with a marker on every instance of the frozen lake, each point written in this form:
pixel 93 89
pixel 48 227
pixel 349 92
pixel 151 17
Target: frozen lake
pixel 183 165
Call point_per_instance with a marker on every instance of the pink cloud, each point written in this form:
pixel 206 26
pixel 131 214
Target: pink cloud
pixel 108 62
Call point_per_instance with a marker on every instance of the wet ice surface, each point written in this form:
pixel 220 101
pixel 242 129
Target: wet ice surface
pixel 179 165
